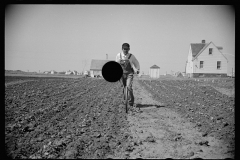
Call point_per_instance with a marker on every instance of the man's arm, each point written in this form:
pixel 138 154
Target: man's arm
pixel 135 63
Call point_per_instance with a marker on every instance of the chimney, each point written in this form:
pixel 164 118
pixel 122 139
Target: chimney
pixel 203 41
pixel 107 56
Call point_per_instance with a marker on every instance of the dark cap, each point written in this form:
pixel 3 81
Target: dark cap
pixel 125 45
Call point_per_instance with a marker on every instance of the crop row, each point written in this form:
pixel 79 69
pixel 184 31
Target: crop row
pixel 64 118
pixel 210 110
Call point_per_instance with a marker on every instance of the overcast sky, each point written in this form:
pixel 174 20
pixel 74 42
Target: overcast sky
pixel 64 37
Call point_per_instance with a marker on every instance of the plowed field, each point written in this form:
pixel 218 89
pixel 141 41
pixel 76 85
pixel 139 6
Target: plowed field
pixel 208 105
pixel 63 118
pixel 84 118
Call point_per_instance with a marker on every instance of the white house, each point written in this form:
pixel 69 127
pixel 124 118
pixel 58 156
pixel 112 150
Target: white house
pixel 154 71
pixel 206 59
pixel 96 67
pixel 53 72
pixel 74 72
pixel 231 64
pixel 86 73
pixel 69 72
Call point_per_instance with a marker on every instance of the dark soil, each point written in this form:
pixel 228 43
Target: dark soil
pixel 63 118
pixel 212 111
pixel 53 117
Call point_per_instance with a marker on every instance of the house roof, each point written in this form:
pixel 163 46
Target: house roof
pixel 204 47
pixel 97 64
pixel 179 74
pixel 154 66
pixel 197 47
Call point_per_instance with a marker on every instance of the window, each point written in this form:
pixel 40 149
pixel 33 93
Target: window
pixel 218 64
pixel 201 64
pixel 210 50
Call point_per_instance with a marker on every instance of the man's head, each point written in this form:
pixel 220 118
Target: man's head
pixel 125 48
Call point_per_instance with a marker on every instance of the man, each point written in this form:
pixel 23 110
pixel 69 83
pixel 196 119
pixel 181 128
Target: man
pixel 127 60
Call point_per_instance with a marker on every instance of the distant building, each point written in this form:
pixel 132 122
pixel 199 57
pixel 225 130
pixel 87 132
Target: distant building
pixel 75 72
pixel 69 72
pixel 53 72
pixel 178 74
pixel 61 72
pixel 96 67
pixel 86 73
pixel 154 71
pixel 206 59
pixel 184 74
pixel 46 72
pixel 231 64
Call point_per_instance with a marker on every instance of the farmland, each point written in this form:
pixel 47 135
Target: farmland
pixel 53 117
pixel 211 110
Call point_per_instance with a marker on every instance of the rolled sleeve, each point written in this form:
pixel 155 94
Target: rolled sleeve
pixel 135 63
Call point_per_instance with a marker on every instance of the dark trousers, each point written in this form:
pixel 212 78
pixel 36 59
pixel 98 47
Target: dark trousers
pixel 127 79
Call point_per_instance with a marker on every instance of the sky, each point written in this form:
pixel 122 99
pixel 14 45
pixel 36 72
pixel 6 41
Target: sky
pixel 67 37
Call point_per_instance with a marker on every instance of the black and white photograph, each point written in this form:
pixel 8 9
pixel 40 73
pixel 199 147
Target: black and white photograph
pixel 119 81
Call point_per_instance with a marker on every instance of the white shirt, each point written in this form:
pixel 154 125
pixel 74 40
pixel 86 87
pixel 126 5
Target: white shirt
pixel 133 60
